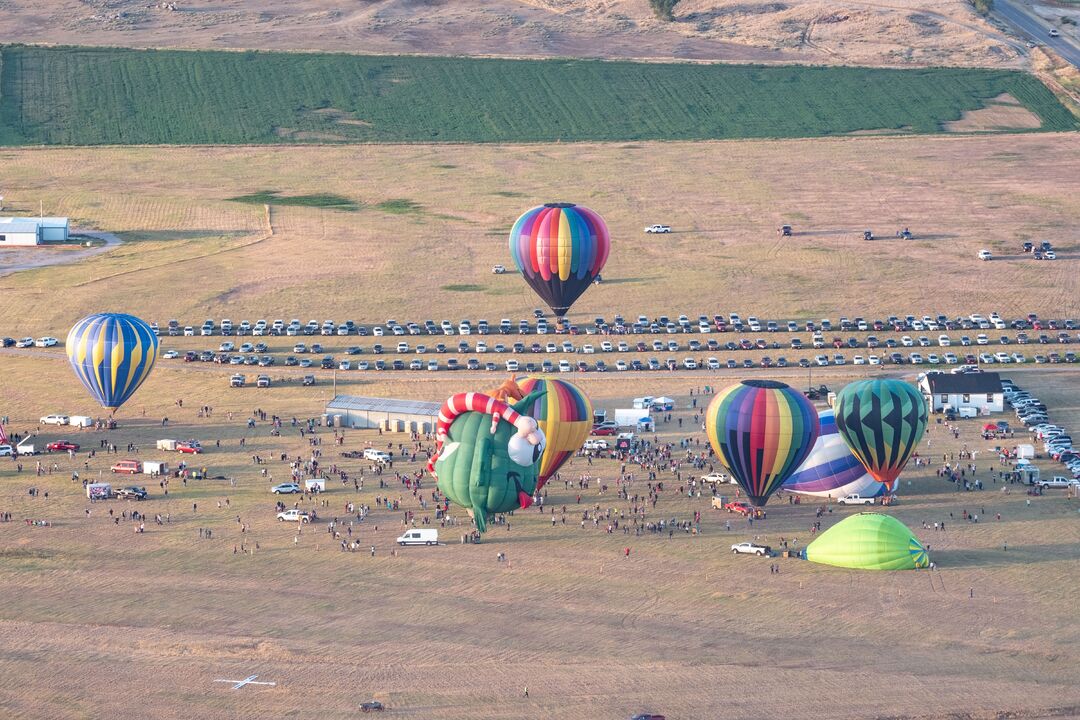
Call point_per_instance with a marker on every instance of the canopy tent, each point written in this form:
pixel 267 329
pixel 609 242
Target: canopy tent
pixel 869 541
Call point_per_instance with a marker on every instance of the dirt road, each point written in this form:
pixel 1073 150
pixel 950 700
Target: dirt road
pixel 12 260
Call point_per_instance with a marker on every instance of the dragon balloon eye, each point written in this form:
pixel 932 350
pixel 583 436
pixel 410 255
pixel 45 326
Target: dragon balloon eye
pixel 523 452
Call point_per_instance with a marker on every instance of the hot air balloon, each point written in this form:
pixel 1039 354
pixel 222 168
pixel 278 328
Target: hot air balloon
pixel 487 454
pixel 762 430
pixel 112 354
pixel 832 470
pixel 560 248
pixel 565 415
pixel 882 422
pixel 869 541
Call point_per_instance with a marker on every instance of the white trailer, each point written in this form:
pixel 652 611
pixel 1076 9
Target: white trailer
pixel 81 421
pixel 1025 452
pixel 152 467
pixel 630 417
pixel 169 445
pixel 315 485
pixel 99 491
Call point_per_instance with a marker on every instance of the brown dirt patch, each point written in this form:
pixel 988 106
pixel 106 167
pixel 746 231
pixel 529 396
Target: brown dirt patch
pixel 1002 113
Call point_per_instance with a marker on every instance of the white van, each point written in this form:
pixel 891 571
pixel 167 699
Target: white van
pixel 424 536
pixel 379 456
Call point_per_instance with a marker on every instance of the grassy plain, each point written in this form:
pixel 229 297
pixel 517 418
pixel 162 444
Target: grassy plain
pixel 100 621
pixel 449 633
pixel 95 96
pixel 194 254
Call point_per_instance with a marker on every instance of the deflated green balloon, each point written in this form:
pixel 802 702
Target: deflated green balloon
pixel 869 541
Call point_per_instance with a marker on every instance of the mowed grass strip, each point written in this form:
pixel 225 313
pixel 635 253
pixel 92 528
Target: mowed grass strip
pixel 92 96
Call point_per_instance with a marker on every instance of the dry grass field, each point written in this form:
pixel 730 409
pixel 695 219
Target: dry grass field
pixel 100 621
pixel 434 220
pixel 899 32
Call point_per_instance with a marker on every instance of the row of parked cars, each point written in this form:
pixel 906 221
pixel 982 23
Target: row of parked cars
pixel 539 324
pixel 1056 440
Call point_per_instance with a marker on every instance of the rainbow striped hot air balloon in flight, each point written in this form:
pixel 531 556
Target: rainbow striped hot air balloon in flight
pixel 112 354
pixel 564 413
pixel 560 248
pixel 762 430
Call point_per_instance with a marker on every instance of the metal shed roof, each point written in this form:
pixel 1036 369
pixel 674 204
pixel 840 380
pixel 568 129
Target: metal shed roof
pixel 17 226
pixel 385 405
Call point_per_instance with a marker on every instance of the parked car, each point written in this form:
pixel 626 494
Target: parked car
pixel 294 515
pixel 288 488
pixel 61 446
pixel 55 420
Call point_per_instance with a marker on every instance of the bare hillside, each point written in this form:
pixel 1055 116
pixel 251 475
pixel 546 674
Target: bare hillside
pixel 896 32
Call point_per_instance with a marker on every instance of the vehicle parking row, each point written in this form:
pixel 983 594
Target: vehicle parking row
pixel 453 363
pixel 539 324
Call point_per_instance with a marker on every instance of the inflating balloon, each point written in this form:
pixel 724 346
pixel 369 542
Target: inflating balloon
pixel 762 430
pixel 560 248
pixel 869 541
pixel 882 422
pixel 487 454
pixel 112 354
pixel 565 415
pixel 831 470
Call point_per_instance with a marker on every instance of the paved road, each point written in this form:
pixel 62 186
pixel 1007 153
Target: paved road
pixel 1028 25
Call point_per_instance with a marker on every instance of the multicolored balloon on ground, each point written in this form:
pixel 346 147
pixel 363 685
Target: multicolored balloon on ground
pixel 869 541
pixel 560 248
pixel 112 354
pixel 565 415
pixel 882 421
pixel 762 430
pixel 831 470
pixel 487 454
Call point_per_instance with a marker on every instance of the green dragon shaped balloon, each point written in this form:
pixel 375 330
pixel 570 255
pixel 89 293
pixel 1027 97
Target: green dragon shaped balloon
pixel 487 456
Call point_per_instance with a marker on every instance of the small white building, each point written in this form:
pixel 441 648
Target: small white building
pixel 24 231
pixel 980 391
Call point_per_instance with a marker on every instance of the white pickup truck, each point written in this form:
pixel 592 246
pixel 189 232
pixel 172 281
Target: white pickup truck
pixel 379 456
pixel 855 499
pixel 1058 481
pixel 596 444
pixel 658 229
pixel 749 548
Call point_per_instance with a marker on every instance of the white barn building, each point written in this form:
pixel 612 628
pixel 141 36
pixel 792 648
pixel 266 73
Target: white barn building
pixel 357 412
pixel 24 231
pixel 981 391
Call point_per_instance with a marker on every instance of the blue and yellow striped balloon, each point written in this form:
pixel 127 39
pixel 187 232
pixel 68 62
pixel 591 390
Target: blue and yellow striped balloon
pixel 112 353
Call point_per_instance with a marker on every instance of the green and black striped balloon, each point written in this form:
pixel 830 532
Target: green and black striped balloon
pixel 882 422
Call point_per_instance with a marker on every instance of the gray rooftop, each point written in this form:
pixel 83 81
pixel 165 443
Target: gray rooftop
pixel 15 225
pixel 385 405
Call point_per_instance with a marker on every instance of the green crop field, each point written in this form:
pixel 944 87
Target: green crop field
pixel 86 96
